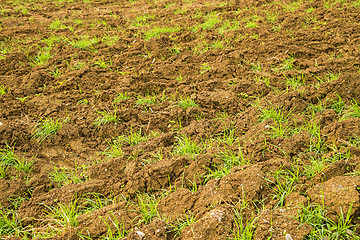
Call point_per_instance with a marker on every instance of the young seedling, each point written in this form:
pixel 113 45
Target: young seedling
pixel 204 68
pixel 186 102
pixel 323 227
pixel 24 165
pixel 201 48
pixel 63 175
pixel 254 36
pixel 4 50
pixel 284 184
pixel 7 156
pixel 114 150
pixel 228 26
pixel 272 17
pixel 179 78
pixel 287 64
pixel 180 11
pixel 105 117
pixel 23 99
pixel 57 25
pixel 352 111
pixel 177 125
pixel 244 228
pixel 256 67
pixel 156 157
pixel 229 159
pixel 278 115
pixel 180 224
pixel 54 39
pixel 79 65
pixel 134 137
pixel 46 128
pixel 42 57
pixel 143 20
pixel 103 64
pixel 185 146
pixel 56 72
pixel 157 31
pixel 95 201
pixel 110 40
pixel 218 44
pixel 338 105
pixel 112 222
pixel 63 216
pixel 84 42
pixel 263 79
pixel 356 4
pixel 296 82
pixel 279 129
pixel 10 224
pixel 83 101
pixel 3 173
pixel 329 77
pixel 291 7
pixel 176 50
pixel 3 90
pixel 147 100
pixel 252 22
pixel 121 97
pixel 228 137
pixel 313 109
pixel 211 20
pixel 148 207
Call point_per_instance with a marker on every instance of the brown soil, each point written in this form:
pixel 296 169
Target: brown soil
pixel 229 95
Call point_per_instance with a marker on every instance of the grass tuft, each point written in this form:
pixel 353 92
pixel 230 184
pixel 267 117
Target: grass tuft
pixel 148 207
pixel 352 111
pixel 244 228
pixel 106 116
pixel 157 31
pixel 186 102
pixel 185 146
pixel 84 42
pixel 121 97
pixel 7 156
pixel 283 184
pixel 115 228
pixel 46 128
pixel 24 165
pixel 323 227
pixel 42 57
pixel 228 159
pixel 114 150
pixel 180 224
pixel 63 216
pixel 3 90
pixel 10 224
pixel 63 175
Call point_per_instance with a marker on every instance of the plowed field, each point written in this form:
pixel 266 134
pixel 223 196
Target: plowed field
pixel 188 119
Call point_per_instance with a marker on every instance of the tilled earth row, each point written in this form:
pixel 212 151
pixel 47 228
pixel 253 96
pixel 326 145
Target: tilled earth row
pixel 179 120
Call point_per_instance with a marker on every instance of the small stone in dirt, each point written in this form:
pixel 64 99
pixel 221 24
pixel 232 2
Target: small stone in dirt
pixel 12 238
pixel 217 214
pixel 141 235
pixel 288 237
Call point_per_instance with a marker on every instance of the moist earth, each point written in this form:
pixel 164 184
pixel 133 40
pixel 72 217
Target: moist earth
pixel 182 119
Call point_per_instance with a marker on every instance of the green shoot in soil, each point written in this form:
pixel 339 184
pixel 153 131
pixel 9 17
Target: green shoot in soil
pixel 106 117
pixel 46 128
